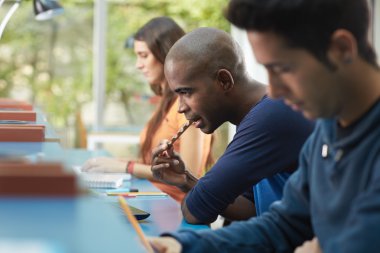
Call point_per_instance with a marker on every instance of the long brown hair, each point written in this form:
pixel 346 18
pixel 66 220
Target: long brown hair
pixel 159 34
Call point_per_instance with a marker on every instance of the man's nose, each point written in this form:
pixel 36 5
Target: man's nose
pixel 182 108
pixel 276 87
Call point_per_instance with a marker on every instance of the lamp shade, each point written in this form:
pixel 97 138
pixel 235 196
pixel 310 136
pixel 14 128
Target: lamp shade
pixel 46 9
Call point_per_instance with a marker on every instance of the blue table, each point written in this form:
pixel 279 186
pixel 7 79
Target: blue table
pixel 67 225
pixel 88 223
pixel 165 212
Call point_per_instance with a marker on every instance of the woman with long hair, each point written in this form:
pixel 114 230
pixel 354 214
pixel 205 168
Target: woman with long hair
pixel 151 45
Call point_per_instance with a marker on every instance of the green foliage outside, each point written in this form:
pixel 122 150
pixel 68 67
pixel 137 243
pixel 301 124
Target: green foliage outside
pixel 49 63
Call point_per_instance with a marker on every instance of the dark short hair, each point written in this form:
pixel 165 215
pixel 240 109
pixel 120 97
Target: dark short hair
pixel 306 24
pixel 160 34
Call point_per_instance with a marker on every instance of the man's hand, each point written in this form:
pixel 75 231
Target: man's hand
pixel 309 247
pixel 104 164
pixel 168 167
pixel 165 244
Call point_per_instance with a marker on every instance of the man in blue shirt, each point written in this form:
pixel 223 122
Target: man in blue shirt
pixel 320 61
pixel 206 70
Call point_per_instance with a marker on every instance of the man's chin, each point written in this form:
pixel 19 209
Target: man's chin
pixel 207 130
pixel 309 115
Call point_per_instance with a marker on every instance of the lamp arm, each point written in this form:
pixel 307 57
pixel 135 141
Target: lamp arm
pixel 7 16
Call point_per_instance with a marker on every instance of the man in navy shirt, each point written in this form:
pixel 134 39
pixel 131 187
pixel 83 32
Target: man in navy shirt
pixel 206 69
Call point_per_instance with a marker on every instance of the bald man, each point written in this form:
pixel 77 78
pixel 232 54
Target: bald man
pixel 206 69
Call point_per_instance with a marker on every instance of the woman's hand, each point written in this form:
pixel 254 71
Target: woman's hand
pixel 104 164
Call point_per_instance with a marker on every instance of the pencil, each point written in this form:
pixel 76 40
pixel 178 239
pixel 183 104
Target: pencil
pixel 137 193
pixel 135 224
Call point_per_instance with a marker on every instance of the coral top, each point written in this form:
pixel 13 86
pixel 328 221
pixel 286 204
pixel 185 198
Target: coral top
pixel 169 127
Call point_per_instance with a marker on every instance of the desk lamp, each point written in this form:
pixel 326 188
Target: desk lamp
pixel 43 10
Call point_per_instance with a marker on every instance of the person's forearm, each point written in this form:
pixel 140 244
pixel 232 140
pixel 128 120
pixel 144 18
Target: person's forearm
pixel 241 209
pixel 253 235
pixel 191 181
pixel 187 215
pixel 142 171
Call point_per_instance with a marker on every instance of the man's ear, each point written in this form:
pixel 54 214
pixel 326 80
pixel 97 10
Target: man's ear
pixel 225 79
pixel 343 48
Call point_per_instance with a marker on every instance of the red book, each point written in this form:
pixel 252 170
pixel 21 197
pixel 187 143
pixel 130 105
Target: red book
pixel 9 103
pixel 22 133
pixel 36 179
pixel 18 115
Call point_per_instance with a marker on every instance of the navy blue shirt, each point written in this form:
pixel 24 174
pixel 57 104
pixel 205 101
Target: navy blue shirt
pixel 267 141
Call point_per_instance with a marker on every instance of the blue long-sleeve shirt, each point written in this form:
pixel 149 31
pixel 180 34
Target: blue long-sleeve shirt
pixel 335 195
pixel 267 143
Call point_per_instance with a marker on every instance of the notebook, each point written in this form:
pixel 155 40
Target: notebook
pixel 101 180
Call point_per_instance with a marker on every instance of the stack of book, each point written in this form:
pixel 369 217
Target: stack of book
pixel 18 122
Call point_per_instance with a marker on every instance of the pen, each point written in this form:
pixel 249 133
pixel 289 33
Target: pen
pixel 127 195
pixel 179 133
pixel 135 224
pixel 176 137
pixel 123 190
